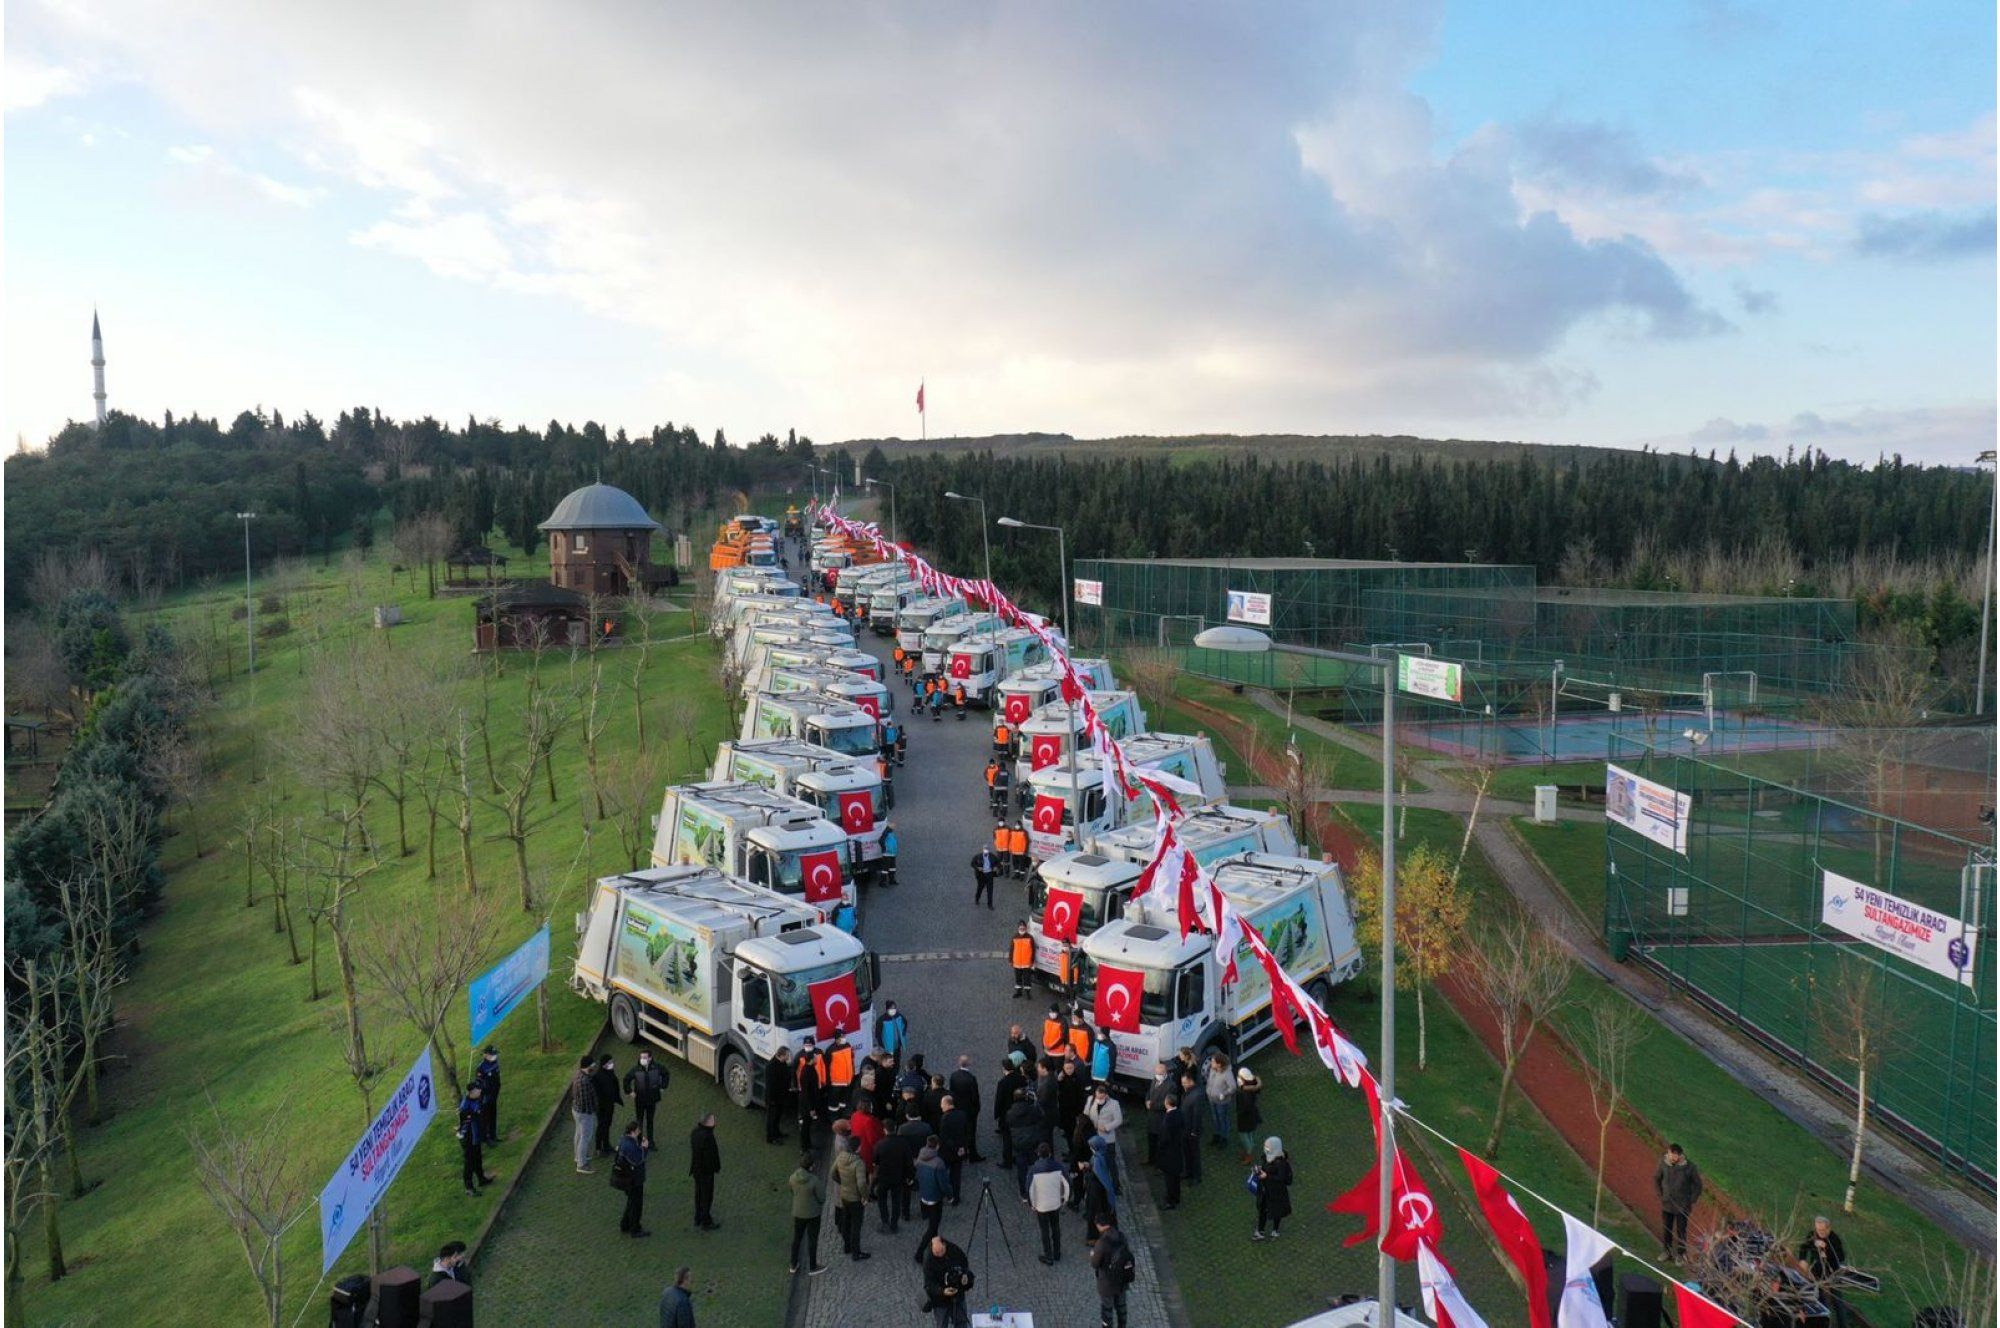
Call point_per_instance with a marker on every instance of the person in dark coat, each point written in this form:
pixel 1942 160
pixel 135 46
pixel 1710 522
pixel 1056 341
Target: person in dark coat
pixel 1027 1133
pixel 1249 1110
pixel 677 1301
pixel 1678 1183
pixel 1018 1040
pixel 487 1075
pixel 777 1094
pixel 1092 1199
pixel 1072 1091
pixel 955 1141
pixel 1111 1259
pixel 472 1140
pixel 646 1082
pixel 1157 1093
pixel 704 1164
pixel 986 865
pixel 605 1076
pixel 893 1158
pixel 947 1279
pixel 1194 1118
pixel 1274 1188
pixel 630 1162
pixel 1173 1150
pixel 805 1075
pixel 964 1088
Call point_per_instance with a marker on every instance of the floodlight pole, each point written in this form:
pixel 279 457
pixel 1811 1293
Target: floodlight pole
pixel 894 533
pixel 1986 586
pixel 985 543
pixel 249 606
pixel 1069 706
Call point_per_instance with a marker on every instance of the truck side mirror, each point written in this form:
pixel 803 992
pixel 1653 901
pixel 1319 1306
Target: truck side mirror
pixel 874 969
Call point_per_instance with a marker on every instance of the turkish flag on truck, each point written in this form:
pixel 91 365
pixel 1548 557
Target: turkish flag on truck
pixel 821 874
pixel 1118 992
pixel 1047 751
pixel 1061 913
pixel 872 704
pixel 1048 814
pixel 836 1006
pixel 1018 708
pixel 961 666
pixel 857 813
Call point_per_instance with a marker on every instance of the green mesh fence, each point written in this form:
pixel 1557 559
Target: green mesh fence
pixel 1735 921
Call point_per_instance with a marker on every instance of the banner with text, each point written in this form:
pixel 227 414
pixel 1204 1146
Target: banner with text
pixel 494 994
pixel 1930 939
pixel 348 1199
pixel 1429 677
pixel 1089 592
pixel 1250 606
pixel 1653 810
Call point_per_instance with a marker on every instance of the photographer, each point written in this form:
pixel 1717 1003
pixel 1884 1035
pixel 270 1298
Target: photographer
pixel 947 1279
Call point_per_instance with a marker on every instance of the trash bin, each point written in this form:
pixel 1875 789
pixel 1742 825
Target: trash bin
pixel 1545 804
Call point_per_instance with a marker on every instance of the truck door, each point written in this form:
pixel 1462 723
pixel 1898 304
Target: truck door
pixel 1193 1009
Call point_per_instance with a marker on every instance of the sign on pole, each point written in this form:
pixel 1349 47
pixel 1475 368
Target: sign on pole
pixel 348 1199
pixel 1437 678
pixel 1250 606
pixel 1089 592
pixel 495 994
pixel 1653 810
pixel 1930 939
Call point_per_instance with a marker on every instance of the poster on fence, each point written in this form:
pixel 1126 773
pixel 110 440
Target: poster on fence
pixel 494 994
pixel 1650 809
pixel 1930 939
pixel 1430 677
pixel 348 1199
pixel 1089 592
pixel 1249 606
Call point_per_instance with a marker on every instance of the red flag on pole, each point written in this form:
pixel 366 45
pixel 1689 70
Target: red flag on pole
pixel 1698 1311
pixel 1118 994
pixel 1061 913
pixel 1515 1233
pixel 836 1006
pixel 820 873
pixel 920 398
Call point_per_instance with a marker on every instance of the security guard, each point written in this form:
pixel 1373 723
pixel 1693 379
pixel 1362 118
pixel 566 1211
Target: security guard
pixel 839 1073
pixel 1055 1032
pixel 1003 788
pixel 1022 954
pixel 472 1140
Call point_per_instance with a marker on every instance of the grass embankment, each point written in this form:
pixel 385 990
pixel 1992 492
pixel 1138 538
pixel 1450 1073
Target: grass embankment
pixel 1346 768
pixel 214 1002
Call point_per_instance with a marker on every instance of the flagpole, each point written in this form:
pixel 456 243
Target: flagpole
pixel 1385 1292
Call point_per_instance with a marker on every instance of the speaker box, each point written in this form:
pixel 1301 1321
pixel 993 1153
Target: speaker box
pixel 398 1293
pixel 1552 1265
pixel 1602 1278
pixel 347 1304
pixel 1643 1301
pixel 448 1305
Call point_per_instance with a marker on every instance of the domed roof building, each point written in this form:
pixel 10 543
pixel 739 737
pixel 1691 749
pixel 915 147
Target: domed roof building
pixel 601 543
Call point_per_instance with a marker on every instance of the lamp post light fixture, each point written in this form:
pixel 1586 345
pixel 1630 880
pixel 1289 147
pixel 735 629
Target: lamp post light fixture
pixel 894 534
pixel 1248 640
pixel 249 606
pixel 1069 707
pixel 1062 563
pixel 985 544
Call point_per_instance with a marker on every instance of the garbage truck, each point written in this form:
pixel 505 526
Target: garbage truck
pixel 809 717
pixel 751 831
pixel 980 663
pixel 715 970
pixel 1020 696
pixel 1298 905
pixel 765 656
pixel 1050 794
pixel 846 791
pixel 920 615
pixel 941 637
pixel 886 600
pixel 839 684
pixel 1051 733
pixel 1102 879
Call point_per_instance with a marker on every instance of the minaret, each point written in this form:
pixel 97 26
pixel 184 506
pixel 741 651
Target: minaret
pixel 97 365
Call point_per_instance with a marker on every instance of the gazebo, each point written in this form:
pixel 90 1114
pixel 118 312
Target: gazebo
pixel 600 542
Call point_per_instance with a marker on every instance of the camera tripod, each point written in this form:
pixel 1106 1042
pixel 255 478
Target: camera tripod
pixel 985 1221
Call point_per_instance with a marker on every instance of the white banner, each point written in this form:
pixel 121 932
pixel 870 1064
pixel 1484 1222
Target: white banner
pixel 1653 810
pixel 1089 592
pixel 1429 677
pixel 348 1199
pixel 1927 938
pixel 1249 606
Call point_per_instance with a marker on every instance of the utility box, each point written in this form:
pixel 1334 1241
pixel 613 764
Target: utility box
pixel 1545 804
pixel 388 615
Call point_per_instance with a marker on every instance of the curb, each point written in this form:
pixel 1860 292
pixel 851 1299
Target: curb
pixel 541 1136
pixel 1139 1189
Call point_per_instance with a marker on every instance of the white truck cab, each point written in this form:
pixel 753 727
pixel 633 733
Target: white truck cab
pixel 1051 733
pixel 714 970
pixel 940 638
pixel 920 615
pixel 749 830
pixel 847 792
pixel 1020 696
pixel 980 663
pixel 1050 795
pixel 841 725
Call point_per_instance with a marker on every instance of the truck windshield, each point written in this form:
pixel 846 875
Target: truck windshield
pixel 855 740
pixel 1156 998
pixel 795 1002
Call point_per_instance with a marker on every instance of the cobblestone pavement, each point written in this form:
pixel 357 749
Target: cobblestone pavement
pixel 944 965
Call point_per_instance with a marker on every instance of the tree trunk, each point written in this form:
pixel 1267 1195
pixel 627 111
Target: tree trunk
pixel 291 932
pixel 52 1224
pixel 465 864
pixel 402 824
pixel 542 1017
pixel 1423 1030
pixel 1860 1131
pixel 93 1107
pixel 447 1060
pixel 520 837
pixel 1492 1148
pixel 1603 1146
pixel 313 970
pixel 249 870
pixel 431 846
pixel 549 769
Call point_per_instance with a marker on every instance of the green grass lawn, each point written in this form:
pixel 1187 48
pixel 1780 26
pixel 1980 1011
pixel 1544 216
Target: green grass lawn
pixel 1516 783
pixel 213 1002
pixel 1346 768
pixel 1573 851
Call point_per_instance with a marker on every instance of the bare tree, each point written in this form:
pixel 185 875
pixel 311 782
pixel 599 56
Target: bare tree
pixel 25 1149
pixel 1609 1032
pixel 181 768
pixel 1303 777
pixel 422 960
pixel 458 756
pixel 1522 975
pixel 36 678
pixel 276 851
pixel 630 791
pixel 595 721
pixel 1856 1024
pixel 680 717
pixel 543 717
pixel 405 707
pixel 42 1083
pixel 1889 689
pixel 248 1175
pixel 1747 1278
pixel 336 740
pixel 1432 913
pixel 1154 674
pixel 640 643
pixel 94 966
pixel 58 572
pixel 1957 1280
pixel 424 538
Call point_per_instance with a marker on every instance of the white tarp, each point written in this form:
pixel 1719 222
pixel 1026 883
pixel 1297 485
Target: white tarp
pixel 1650 809
pixel 1930 939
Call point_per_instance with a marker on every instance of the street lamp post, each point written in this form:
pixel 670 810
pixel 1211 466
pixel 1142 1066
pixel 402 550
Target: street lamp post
pixel 1986 587
pixel 249 606
pixel 1069 706
pixel 895 536
pixel 1249 640
pixel 985 545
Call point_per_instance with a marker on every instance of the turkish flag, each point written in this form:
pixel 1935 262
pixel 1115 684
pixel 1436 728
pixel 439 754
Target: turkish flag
pixel 1516 1235
pixel 1061 913
pixel 872 704
pixel 920 398
pixel 1413 1213
pixel 857 813
pixel 1697 1310
pixel 961 666
pixel 1047 750
pixel 1118 992
pixel 1048 816
pixel 1018 708
pixel 836 1006
pixel 821 874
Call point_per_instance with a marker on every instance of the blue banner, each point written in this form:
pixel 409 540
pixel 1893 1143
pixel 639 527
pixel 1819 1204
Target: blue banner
pixel 495 993
pixel 348 1199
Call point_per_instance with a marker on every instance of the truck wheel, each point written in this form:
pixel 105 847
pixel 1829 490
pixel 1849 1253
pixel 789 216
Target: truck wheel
pixel 1322 995
pixel 735 1076
pixel 624 1018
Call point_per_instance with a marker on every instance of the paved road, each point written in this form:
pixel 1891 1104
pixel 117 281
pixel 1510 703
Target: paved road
pixel 942 961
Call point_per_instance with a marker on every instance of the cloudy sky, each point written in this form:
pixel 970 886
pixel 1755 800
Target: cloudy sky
pixel 1718 223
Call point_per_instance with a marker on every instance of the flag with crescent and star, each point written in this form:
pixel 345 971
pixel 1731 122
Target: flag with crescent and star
pixel 1118 993
pixel 820 873
pixel 1018 707
pixel 961 666
pixel 1061 914
pixel 1048 814
pixel 836 1006
pixel 1047 751
pixel 857 812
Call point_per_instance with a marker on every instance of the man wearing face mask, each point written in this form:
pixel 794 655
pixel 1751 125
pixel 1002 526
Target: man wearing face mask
pixel 646 1083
